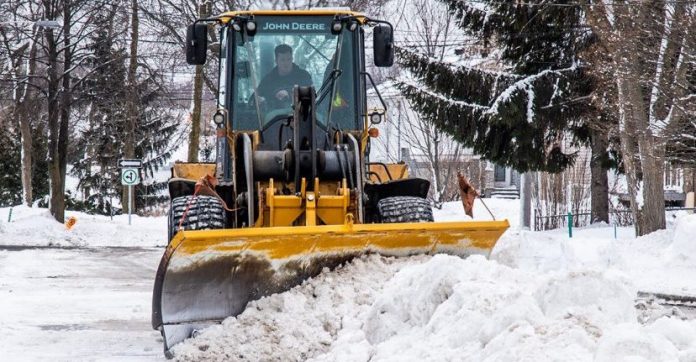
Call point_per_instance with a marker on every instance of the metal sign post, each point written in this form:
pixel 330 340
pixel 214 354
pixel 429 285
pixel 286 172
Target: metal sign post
pixel 570 211
pixel 130 203
pixel 130 176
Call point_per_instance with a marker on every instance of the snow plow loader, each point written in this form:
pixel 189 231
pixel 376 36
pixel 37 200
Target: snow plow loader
pixel 292 190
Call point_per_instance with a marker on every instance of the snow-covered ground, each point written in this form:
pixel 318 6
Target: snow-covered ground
pixel 36 227
pixel 77 305
pixel 541 296
pixel 79 294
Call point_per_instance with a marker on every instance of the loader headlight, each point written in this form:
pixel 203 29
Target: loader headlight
pixel 251 27
pixel 336 26
pixel 352 25
pixel 219 118
pixel 236 26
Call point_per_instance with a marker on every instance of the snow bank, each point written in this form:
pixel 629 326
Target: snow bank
pixel 543 297
pixel 662 261
pixel 303 322
pixel 632 342
pixel 683 248
pixel 474 309
pixel 444 308
pixel 36 227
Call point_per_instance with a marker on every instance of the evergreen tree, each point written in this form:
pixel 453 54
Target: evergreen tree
pixel 520 116
pixel 153 135
pixel 10 153
pixel 10 179
pixel 101 142
pixel 98 146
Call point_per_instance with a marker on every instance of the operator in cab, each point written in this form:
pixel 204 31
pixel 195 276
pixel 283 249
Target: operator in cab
pixel 276 87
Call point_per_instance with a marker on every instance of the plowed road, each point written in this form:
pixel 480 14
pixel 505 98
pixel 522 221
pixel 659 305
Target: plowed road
pixel 77 304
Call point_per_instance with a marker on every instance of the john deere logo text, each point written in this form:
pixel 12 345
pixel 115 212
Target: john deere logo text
pixel 293 26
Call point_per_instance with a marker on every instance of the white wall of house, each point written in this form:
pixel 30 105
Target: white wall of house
pixel 398 133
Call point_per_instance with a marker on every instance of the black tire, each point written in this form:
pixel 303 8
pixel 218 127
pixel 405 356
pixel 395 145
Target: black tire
pixel 404 209
pixel 205 213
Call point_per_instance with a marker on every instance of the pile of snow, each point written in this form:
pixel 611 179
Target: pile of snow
pixel 445 308
pixel 299 324
pixel 683 248
pixel 36 227
pixel 454 309
pixel 663 261
pixel 543 296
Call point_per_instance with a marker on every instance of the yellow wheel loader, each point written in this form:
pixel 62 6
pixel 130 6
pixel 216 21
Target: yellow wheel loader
pixel 292 190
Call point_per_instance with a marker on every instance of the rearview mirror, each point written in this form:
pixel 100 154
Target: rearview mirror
pixel 383 45
pixel 196 43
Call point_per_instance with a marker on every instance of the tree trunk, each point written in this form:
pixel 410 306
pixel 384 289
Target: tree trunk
pixel 57 201
pixel 600 182
pixel 26 141
pixel 643 163
pixel 629 152
pixel 626 38
pixel 66 102
pixel 133 109
pixel 22 110
pixel 652 210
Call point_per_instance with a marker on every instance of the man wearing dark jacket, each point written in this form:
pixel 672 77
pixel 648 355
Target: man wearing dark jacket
pixel 276 87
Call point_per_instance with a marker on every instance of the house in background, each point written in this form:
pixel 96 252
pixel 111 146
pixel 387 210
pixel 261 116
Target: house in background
pixel 404 137
pixel 678 183
pixel 502 182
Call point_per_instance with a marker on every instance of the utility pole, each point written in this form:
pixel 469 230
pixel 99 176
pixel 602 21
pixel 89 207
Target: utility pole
pixel 195 135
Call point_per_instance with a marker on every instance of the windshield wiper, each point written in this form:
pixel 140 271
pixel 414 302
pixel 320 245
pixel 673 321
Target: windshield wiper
pixel 336 70
pixel 328 84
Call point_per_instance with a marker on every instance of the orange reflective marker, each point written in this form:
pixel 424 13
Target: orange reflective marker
pixel 373 132
pixel 70 222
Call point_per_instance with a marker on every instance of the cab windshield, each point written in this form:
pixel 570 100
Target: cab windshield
pixel 289 51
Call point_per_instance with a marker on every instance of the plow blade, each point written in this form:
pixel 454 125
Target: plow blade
pixel 206 276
